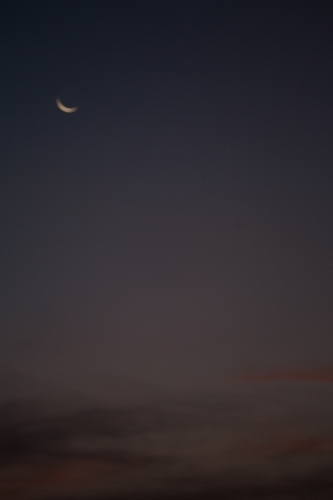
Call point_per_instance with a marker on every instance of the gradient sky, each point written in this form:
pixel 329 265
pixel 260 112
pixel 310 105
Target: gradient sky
pixel 177 229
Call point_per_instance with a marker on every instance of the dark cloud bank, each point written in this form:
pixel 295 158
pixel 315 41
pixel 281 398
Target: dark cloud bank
pixel 253 441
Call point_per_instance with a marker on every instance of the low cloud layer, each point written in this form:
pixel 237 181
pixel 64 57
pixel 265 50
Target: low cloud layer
pixel 249 442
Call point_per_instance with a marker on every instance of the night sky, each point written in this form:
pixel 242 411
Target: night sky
pixel 174 234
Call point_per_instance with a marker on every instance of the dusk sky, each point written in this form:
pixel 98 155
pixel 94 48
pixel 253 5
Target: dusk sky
pixel 175 232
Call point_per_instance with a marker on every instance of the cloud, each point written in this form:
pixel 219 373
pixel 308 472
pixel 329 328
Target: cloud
pixel 297 447
pixel 297 375
pixel 190 449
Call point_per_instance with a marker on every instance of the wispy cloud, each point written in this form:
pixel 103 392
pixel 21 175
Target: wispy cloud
pixel 297 375
pixel 190 449
pixel 296 447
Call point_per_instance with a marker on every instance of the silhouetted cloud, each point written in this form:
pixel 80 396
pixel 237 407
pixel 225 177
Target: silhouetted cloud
pixel 242 446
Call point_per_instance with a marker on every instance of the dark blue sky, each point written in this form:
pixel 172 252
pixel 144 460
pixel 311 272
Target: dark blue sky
pixel 177 228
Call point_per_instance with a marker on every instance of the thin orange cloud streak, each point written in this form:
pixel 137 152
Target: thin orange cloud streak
pixel 300 375
pixel 30 480
pixel 299 446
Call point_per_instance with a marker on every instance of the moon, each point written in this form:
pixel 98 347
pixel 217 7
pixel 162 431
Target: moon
pixel 64 108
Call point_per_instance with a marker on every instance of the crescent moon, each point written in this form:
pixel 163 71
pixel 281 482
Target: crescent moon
pixel 64 108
